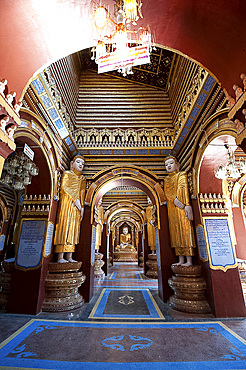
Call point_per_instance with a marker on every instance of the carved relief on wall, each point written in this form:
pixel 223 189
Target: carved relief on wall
pixel 124 138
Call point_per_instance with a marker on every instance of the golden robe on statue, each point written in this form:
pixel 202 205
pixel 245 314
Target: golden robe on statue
pixel 67 231
pixel 125 238
pixel 181 229
pixel 150 228
pixel 99 227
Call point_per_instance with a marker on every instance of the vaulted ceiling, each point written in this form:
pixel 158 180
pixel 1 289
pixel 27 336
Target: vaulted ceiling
pixel 114 120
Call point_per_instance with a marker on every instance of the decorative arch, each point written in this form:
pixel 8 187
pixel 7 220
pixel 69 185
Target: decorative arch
pixel 132 206
pixel 127 175
pixel 217 125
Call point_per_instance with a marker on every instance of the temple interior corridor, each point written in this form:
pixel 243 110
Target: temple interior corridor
pixel 125 325
pixel 122 144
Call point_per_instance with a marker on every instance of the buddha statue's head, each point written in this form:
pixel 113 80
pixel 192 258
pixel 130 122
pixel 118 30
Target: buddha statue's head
pixel 125 230
pixel 171 164
pixel 77 163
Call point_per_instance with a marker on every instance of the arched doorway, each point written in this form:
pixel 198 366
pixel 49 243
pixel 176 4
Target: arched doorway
pixel 217 216
pixel 147 182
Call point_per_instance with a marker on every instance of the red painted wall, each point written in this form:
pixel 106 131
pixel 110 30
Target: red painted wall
pixel 212 33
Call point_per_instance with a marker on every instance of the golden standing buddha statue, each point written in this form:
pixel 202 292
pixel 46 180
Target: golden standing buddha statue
pixel 150 210
pixel 180 214
pixel 99 227
pixel 70 210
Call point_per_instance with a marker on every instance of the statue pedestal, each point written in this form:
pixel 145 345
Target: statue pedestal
pixel 141 259
pixel 61 287
pixel 5 281
pixel 152 265
pixel 98 272
pixel 126 256
pixel 189 290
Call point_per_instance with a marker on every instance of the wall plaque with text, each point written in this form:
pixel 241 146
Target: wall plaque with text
pixel 93 244
pixel 221 251
pixel 31 242
pixel 49 237
pixel 158 257
pixel 2 241
pixel 201 243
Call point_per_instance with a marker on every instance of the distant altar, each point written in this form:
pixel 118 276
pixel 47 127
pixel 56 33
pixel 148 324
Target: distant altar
pixel 125 252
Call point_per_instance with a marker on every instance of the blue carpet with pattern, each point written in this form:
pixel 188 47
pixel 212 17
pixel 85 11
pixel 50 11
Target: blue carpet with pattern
pixel 75 345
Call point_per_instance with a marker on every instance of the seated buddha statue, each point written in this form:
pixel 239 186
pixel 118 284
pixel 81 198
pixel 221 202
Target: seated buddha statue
pixel 125 241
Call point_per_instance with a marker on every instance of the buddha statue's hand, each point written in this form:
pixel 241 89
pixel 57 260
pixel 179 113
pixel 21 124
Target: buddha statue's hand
pixel 189 212
pixel 178 204
pixel 77 204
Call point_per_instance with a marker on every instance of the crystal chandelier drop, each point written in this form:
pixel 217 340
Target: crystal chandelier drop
pixel 126 46
pixel 233 169
pixel 18 171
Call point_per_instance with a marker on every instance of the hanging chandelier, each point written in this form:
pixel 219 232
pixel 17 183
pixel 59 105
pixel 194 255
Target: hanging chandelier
pixel 18 171
pixel 233 169
pixel 125 47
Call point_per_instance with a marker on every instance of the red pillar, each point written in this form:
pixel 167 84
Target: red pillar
pixel 240 232
pixel 167 256
pixel 111 249
pixel 83 253
pixel 224 290
pixel 146 250
pixel 139 246
pixel 28 287
pixel 103 250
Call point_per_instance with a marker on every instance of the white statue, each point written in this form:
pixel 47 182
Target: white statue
pixel 17 107
pixel 3 123
pixel 10 130
pixel 10 97
pixel 3 84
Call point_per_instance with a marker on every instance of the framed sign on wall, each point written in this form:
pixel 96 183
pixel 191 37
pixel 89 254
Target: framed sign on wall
pixel 221 250
pixel 31 243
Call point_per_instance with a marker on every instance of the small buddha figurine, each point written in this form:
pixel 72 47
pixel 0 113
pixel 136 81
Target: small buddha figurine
pixel 238 91
pixel 10 97
pixel 3 84
pixel 3 123
pixel 239 126
pixel 17 107
pixel 243 78
pixel 10 130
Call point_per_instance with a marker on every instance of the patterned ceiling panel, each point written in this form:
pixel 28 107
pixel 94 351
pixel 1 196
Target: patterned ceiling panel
pixel 155 74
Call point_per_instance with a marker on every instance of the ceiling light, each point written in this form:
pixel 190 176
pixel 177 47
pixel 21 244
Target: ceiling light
pixel 127 46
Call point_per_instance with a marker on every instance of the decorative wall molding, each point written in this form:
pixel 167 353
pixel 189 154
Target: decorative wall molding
pixel 213 203
pixel 124 138
pixel 190 99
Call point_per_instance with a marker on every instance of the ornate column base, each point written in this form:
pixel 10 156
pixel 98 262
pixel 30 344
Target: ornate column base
pixel 98 272
pixel 152 265
pixel 5 281
pixel 126 256
pixel 189 290
pixel 61 287
pixel 141 259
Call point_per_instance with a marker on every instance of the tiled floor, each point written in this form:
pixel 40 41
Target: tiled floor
pixel 125 325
